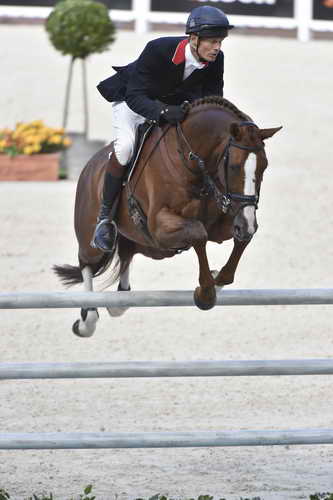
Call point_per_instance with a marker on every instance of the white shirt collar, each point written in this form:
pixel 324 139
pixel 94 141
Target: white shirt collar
pixel 191 64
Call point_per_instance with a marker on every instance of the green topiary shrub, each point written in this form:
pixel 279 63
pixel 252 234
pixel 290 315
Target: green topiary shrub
pixel 80 27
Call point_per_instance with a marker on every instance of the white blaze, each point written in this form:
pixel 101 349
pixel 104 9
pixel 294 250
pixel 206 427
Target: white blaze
pixel 250 189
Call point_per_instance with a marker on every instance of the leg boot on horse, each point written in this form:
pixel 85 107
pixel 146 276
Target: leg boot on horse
pixel 106 229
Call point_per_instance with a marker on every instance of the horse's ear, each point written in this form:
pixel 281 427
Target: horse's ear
pixel 235 131
pixel 265 133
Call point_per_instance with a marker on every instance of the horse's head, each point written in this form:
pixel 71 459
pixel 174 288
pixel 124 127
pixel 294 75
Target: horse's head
pixel 228 146
pixel 241 171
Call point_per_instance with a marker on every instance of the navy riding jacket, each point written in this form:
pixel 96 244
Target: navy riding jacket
pixel 156 79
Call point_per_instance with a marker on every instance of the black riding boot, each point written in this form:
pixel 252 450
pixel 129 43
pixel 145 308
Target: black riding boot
pixel 106 229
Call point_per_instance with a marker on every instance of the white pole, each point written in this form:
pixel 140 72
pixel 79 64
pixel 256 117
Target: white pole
pixel 303 15
pixel 127 369
pixel 169 298
pixel 141 9
pixel 95 440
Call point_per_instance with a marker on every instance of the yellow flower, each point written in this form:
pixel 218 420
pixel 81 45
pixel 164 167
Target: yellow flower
pixel 37 123
pixel 66 141
pixel 16 134
pixel 60 131
pixel 29 139
pixel 21 127
pixel 28 150
pixel 54 139
pixel 37 139
pixel 33 137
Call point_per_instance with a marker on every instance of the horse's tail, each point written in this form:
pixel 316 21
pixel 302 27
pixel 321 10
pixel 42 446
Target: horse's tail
pixel 69 275
pixel 72 275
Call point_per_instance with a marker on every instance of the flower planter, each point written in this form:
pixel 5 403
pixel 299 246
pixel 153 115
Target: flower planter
pixel 36 167
pixel 75 158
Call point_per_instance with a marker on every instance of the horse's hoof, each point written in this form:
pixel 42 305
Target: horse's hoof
pixel 75 328
pixel 116 312
pixel 82 334
pixel 204 306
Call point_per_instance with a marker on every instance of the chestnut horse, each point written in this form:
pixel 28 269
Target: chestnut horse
pixel 195 182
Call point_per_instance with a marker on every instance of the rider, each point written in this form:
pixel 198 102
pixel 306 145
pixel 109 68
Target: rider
pixel 169 71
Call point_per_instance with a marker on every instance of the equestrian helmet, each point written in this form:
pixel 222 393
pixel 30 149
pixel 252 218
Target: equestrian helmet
pixel 208 22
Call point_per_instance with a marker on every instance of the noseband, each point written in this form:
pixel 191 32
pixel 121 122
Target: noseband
pixel 210 188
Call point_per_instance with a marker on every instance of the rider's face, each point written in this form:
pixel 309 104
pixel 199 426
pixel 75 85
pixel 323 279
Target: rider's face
pixel 208 48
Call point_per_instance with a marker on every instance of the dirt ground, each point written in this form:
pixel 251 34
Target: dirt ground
pixel 276 81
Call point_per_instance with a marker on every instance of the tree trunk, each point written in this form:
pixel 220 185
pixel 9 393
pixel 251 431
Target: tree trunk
pixel 68 91
pixel 85 98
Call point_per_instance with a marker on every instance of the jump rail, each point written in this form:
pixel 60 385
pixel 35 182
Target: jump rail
pixel 170 298
pixel 137 369
pixel 72 440
pixel 20 441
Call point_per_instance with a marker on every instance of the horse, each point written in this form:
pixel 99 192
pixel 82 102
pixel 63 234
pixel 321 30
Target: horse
pixel 195 182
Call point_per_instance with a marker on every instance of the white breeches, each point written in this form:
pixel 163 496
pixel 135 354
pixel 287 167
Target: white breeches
pixel 125 124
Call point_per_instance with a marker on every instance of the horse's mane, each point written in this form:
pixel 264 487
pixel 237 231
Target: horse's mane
pixel 218 101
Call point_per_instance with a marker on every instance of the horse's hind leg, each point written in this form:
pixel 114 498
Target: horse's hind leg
pixel 126 250
pixel 123 286
pixel 86 326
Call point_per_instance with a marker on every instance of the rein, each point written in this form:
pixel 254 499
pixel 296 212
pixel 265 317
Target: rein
pixel 223 201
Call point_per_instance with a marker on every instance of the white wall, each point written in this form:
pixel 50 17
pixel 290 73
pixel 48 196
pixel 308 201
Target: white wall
pixel 143 16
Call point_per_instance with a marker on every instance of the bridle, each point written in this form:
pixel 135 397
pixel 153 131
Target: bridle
pixel 209 188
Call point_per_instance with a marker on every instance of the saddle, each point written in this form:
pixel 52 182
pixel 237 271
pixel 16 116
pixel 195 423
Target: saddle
pixel 143 132
pixel 136 212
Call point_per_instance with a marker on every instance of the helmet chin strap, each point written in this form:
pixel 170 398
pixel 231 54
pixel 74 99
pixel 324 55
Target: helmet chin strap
pixel 201 59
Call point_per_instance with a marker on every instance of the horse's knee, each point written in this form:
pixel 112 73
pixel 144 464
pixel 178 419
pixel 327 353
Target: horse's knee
pixel 173 231
pixel 198 232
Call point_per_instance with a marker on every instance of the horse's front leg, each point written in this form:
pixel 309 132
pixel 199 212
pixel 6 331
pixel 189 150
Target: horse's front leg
pixel 172 231
pixel 205 294
pixel 227 273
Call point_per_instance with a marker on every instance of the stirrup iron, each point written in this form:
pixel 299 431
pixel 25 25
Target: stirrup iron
pixel 115 231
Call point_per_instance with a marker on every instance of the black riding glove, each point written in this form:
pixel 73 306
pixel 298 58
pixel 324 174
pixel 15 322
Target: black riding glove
pixel 172 114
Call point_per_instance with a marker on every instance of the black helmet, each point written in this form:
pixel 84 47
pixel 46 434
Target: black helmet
pixel 208 22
